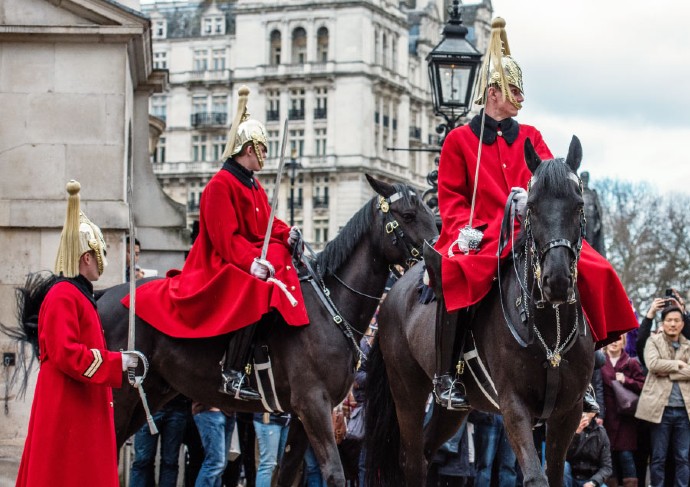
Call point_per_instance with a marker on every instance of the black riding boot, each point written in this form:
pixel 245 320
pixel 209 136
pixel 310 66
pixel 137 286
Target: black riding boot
pixel 235 381
pixel 448 388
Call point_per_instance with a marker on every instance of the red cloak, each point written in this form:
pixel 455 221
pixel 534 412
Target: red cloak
pixel 71 438
pixel 214 293
pixel 468 278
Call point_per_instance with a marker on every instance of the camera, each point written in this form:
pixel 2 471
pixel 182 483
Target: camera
pixel 669 293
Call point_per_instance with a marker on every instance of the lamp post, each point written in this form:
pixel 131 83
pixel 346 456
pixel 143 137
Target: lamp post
pixel 453 66
pixel 293 165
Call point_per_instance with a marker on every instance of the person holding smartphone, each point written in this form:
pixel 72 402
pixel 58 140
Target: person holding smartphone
pixel 671 298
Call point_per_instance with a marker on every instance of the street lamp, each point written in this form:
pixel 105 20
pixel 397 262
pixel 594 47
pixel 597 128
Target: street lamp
pixel 293 165
pixel 453 66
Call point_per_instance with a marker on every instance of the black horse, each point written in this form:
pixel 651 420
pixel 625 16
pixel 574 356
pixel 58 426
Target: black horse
pixel 527 384
pixel 313 365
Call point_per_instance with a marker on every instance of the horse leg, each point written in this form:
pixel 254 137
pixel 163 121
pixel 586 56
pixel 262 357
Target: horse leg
pixel 293 455
pixel 407 382
pixel 314 409
pixel 519 430
pixel 559 434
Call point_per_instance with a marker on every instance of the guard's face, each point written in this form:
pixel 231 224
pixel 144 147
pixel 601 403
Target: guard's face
pixel 503 107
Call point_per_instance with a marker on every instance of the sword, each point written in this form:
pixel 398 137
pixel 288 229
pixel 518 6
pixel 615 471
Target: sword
pixel 274 205
pixel 276 190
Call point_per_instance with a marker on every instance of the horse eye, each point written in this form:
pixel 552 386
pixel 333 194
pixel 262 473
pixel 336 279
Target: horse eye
pixel 408 217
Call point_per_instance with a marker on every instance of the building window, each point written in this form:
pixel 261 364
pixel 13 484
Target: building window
pixel 273 109
pixel 321 192
pixel 273 139
pixel 199 103
pixel 159 153
pixel 322 45
pixel 198 147
pixel 299 46
pixel 321 110
pixel 275 48
pixel 160 60
pixel 219 104
pixel 320 136
pixel 296 104
pixel 160 28
pixel 218 59
pixel 200 59
pixel 377 48
pixel 159 106
pixel 394 52
pixel 218 145
pixel 214 25
pixel 386 60
pixel 297 141
pixel 320 231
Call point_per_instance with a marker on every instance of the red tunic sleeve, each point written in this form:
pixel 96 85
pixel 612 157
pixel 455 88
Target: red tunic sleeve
pixel 72 338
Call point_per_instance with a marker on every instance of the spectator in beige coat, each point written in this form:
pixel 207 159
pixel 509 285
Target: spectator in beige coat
pixel 665 398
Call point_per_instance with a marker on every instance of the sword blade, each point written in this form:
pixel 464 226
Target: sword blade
pixel 276 190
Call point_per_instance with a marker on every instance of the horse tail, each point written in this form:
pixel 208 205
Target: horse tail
pixel 29 299
pixel 382 431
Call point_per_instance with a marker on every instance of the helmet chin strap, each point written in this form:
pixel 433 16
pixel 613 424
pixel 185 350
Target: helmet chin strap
pixel 259 156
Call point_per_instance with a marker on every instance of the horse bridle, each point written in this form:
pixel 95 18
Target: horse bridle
pixel 541 251
pixel 394 230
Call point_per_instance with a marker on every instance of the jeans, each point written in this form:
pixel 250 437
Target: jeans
pixel 313 470
pixel 171 424
pixel 623 465
pixel 674 424
pixel 215 429
pixel 491 445
pixel 271 438
pixel 569 481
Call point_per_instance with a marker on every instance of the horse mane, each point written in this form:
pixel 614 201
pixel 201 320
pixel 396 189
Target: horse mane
pixel 339 250
pixel 552 177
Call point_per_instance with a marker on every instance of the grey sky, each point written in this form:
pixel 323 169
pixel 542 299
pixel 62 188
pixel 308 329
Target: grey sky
pixel 613 72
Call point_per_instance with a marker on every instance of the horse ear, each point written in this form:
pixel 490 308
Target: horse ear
pixel 531 158
pixel 574 154
pixel 384 189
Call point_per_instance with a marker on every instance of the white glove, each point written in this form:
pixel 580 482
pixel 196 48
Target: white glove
pixel 259 271
pixel 520 200
pixel 294 236
pixel 129 360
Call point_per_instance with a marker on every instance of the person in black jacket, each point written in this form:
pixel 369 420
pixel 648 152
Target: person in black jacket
pixel 588 461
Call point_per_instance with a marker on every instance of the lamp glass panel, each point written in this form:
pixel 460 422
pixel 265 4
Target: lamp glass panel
pixel 454 80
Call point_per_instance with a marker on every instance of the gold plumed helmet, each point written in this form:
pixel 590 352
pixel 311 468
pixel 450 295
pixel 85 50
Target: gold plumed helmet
pixel 498 54
pixel 79 235
pixel 245 130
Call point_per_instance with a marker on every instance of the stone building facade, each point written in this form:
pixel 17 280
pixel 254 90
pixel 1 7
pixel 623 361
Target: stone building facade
pixel 351 76
pixel 75 81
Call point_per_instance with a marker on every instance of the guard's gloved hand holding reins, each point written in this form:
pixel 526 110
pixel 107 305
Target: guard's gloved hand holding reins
pixel 520 201
pixel 293 237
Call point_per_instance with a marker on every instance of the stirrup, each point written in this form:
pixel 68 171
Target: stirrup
pixel 448 396
pixel 234 384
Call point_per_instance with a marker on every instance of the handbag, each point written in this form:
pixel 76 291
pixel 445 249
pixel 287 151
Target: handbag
pixel 355 426
pixel 339 424
pixel 626 400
